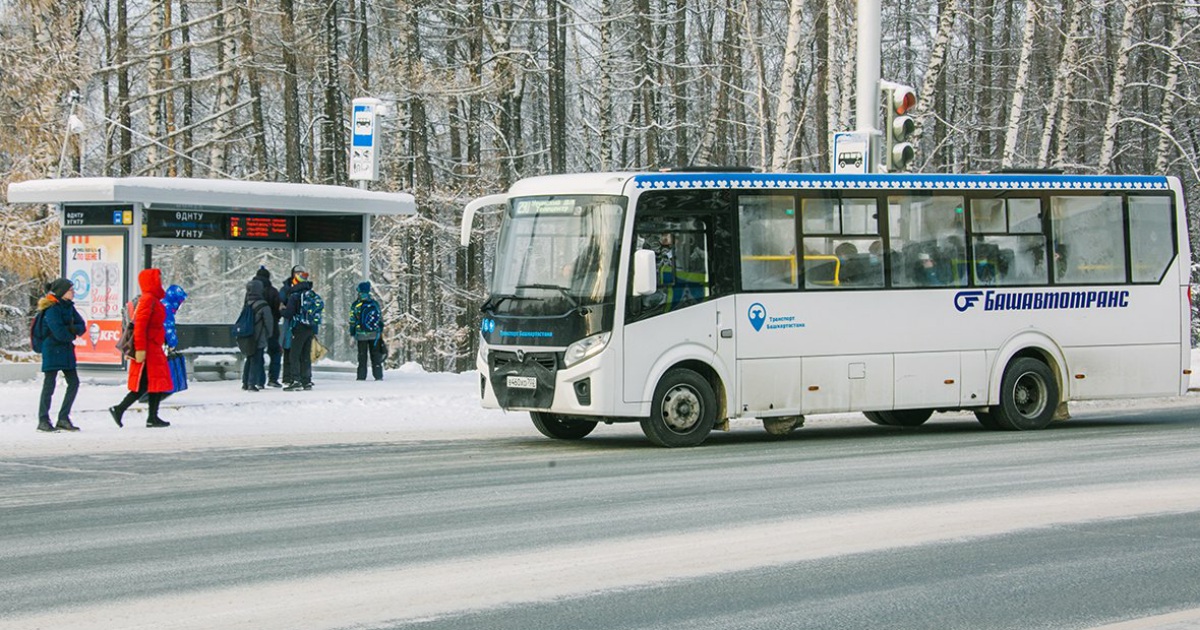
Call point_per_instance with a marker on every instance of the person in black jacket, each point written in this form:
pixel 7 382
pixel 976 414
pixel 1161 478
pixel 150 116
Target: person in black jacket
pixel 274 349
pixel 59 326
pixel 300 351
pixel 254 345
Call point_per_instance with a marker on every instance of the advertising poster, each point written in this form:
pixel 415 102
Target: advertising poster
pixel 95 264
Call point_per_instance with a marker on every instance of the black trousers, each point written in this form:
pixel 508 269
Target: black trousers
pixel 300 356
pixel 153 398
pixel 374 349
pixel 48 383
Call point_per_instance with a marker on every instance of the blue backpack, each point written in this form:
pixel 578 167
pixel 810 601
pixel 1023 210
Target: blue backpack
pixel 368 321
pixel 311 306
pixel 244 326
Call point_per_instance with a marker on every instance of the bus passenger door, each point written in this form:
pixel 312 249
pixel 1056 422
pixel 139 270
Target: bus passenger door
pixel 690 316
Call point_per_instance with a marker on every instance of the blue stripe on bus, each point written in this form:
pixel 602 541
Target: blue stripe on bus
pixel 676 181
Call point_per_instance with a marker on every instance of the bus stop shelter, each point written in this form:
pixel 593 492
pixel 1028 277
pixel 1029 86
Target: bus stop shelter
pixel 210 237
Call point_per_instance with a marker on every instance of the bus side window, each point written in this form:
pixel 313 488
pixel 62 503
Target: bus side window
pixel 767 235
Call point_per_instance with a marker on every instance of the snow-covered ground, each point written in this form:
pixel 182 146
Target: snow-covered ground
pixel 409 404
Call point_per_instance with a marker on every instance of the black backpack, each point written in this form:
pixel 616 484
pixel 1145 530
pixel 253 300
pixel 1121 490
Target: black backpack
pixel 37 332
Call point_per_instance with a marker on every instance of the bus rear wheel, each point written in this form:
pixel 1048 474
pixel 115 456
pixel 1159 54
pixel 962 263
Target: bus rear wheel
pixel 560 427
pixel 683 411
pixel 899 417
pixel 1028 396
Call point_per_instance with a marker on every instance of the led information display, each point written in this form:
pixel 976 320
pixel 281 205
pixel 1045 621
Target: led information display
pixel 261 228
pixel 206 225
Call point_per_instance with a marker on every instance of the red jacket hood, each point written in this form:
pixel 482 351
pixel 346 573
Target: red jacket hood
pixel 150 280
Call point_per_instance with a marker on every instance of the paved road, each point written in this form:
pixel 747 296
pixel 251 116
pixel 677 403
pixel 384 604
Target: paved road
pixel 1091 522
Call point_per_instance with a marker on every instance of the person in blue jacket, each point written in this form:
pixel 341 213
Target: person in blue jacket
pixel 59 326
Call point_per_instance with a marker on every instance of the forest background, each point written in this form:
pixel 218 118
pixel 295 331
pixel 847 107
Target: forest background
pixel 484 92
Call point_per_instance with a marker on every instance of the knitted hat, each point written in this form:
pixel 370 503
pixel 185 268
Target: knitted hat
pixel 364 287
pixel 263 272
pixel 59 287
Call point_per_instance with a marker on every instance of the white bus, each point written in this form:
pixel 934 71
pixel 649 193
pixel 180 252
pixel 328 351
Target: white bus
pixel 683 300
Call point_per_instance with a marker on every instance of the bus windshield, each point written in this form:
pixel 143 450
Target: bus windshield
pixel 556 254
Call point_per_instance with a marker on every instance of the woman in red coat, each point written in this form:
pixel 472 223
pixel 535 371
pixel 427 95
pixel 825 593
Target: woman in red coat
pixel 148 372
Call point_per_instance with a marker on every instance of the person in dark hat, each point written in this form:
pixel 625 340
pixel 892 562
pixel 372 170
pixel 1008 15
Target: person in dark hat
pixel 57 324
pixel 274 349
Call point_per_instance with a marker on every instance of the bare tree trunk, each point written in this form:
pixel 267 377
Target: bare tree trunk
pixel 935 78
pixel 333 138
pixel 1058 118
pixel 258 120
pixel 605 106
pixel 680 80
pixel 1166 120
pixel 418 136
pixel 124 116
pixel 1117 93
pixel 291 93
pixel 1020 85
pixel 557 86
pixel 781 150
pixel 645 78
pixel 824 44
pixel 760 80
pixel 226 94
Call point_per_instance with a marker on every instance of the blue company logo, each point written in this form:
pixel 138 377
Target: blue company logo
pixel 757 315
pixel 487 325
pixel 82 284
pixel 759 319
pixel 1039 300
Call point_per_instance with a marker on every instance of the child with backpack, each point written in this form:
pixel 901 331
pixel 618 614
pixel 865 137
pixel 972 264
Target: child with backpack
pixel 53 334
pixel 303 309
pixel 254 328
pixel 366 327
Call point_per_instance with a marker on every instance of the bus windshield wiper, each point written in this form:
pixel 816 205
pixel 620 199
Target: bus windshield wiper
pixel 553 287
pixel 493 301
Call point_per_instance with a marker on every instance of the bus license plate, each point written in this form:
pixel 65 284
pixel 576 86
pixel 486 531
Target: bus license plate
pixel 522 382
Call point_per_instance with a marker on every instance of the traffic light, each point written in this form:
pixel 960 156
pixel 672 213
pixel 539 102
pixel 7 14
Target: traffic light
pixel 899 100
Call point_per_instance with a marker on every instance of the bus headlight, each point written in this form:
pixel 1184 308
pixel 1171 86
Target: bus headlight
pixel 585 348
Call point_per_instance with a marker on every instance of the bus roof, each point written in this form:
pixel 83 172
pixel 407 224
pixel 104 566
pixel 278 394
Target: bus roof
pixel 622 183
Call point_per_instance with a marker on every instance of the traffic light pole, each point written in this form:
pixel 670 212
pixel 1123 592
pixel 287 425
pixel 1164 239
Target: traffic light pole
pixel 869 37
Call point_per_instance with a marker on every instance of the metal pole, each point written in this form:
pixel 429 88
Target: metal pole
pixel 869 36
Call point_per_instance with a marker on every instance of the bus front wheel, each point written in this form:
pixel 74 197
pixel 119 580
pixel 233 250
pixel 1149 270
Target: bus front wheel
pixel 560 427
pixel 683 411
pixel 1028 396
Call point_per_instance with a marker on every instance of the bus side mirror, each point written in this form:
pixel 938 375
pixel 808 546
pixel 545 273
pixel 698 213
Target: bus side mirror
pixel 644 277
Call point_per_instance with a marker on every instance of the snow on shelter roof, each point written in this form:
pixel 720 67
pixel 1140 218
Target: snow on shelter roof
pixel 182 191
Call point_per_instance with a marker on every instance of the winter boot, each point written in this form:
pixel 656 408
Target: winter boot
pixel 116 413
pixel 293 387
pixel 44 425
pixel 154 423
pixel 64 424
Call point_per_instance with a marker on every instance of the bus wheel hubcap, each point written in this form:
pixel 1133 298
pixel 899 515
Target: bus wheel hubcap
pixel 681 408
pixel 1029 395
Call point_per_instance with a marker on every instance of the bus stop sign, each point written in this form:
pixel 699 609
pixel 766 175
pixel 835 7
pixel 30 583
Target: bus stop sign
pixel 851 152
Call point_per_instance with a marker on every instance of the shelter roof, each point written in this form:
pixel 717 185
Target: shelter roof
pixel 214 193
